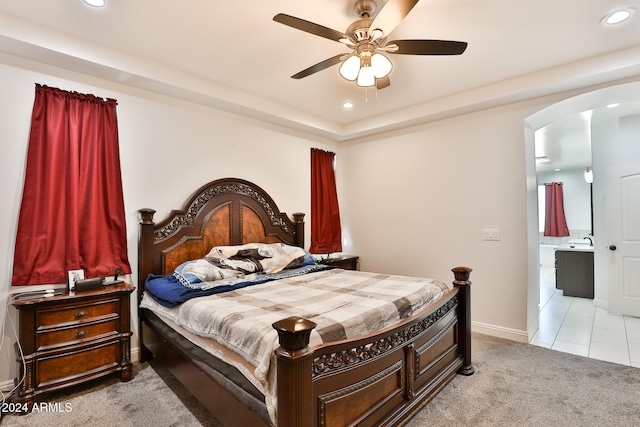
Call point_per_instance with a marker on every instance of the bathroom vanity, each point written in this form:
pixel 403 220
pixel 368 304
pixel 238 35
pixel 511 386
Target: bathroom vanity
pixel 574 270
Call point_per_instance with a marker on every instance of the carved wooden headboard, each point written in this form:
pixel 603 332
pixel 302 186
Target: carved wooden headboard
pixel 224 212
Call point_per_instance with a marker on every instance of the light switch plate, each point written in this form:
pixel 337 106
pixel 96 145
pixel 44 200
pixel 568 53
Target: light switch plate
pixel 491 234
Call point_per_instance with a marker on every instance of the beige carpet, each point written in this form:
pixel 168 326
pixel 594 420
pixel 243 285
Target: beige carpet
pixel 515 384
pixel 148 399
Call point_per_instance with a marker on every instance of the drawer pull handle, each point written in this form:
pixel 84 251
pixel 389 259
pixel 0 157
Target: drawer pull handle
pixel 81 334
pixel 81 314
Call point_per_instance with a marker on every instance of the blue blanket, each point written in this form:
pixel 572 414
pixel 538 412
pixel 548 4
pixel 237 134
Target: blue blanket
pixel 169 290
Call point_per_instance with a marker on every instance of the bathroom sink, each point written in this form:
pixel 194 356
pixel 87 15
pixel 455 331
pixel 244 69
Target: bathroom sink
pixel 581 247
pixel 580 241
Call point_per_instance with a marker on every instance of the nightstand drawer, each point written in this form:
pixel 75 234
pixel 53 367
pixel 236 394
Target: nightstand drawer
pixel 64 336
pixel 81 312
pixel 73 366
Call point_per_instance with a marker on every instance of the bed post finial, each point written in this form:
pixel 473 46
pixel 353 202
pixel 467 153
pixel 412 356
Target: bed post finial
pixel 461 275
pixel 294 332
pixel 294 366
pixel 146 215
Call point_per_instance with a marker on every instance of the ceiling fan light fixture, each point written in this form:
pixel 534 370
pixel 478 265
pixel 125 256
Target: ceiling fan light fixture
pixel 350 68
pixel 381 65
pixel 366 75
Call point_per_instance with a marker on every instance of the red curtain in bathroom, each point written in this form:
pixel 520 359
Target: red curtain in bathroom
pixel 555 222
pixel 72 212
pixel 326 233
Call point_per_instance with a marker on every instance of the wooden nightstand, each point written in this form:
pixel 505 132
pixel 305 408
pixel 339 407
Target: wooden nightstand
pixel 346 262
pixel 72 338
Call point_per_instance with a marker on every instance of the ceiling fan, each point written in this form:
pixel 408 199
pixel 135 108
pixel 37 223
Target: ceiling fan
pixel 367 37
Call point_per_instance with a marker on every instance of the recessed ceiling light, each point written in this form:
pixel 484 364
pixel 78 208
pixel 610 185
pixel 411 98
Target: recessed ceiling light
pixel 614 105
pixel 618 16
pixel 96 3
pixel 347 105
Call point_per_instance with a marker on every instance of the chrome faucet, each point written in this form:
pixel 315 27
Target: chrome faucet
pixel 590 240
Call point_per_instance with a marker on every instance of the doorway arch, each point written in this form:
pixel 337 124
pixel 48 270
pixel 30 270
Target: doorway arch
pixel 628 96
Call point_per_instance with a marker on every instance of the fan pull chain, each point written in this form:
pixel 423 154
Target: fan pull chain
pixel 366 94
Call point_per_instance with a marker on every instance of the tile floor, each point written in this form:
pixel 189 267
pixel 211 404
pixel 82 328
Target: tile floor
pixel 575 325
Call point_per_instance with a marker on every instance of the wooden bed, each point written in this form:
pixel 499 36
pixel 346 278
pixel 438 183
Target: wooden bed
pixel 377 379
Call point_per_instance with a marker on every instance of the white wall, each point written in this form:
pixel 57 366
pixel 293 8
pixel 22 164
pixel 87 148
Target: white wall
pixel 418 200
pixel 168 149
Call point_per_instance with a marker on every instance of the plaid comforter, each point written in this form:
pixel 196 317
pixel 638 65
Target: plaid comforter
pixel 344 304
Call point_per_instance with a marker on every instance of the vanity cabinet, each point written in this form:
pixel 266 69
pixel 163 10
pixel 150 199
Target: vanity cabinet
pixel 574 273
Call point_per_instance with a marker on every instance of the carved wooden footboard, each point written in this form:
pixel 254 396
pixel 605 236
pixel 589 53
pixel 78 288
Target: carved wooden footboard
pixel 377 379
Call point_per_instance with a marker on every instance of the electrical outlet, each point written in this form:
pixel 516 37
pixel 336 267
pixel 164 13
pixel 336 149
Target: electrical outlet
pixel 492 234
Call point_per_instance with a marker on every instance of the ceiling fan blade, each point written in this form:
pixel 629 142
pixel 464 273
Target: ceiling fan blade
pixel 309 27
pixel 428 47
pixel 382 83
pixel 391 14
pixel 319 66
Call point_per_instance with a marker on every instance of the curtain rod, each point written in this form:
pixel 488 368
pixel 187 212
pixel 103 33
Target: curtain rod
pixel 549 183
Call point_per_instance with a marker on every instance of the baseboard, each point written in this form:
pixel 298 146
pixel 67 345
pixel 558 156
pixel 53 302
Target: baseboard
pixel 500 332
pixel 601 303
pixel 6 385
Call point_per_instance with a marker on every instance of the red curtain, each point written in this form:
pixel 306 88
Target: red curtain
pixel 326 234
pixel 555 223
pixel 72 212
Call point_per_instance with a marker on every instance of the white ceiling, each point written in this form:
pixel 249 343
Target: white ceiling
pixel 233 56
pixel 564 144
